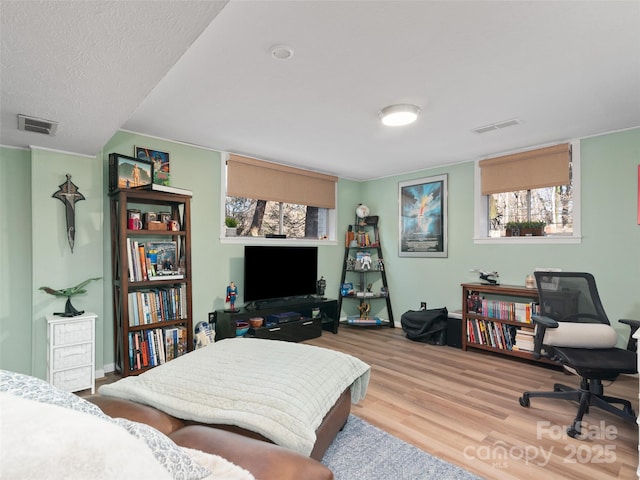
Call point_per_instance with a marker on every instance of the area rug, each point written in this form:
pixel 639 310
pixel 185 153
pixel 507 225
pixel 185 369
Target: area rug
pixel 364 452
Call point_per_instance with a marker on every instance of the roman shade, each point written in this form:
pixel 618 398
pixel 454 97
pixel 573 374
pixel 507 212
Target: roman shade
pixel 544 167
pixel 251 178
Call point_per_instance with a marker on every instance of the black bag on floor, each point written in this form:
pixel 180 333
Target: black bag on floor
pixel 427 326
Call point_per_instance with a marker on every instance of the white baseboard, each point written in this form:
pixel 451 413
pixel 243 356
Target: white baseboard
pixel 108 368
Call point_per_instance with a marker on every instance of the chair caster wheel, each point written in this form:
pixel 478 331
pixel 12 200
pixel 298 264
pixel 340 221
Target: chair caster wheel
pixel 572 431
pixel 524 400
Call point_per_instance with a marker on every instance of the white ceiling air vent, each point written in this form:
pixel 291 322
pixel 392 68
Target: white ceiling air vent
pixel 497 126
pixel 37 125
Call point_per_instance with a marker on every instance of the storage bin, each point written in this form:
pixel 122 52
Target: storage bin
pixel 454 329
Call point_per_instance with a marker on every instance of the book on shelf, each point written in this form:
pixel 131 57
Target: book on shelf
pixel 474 302
pixel 158 305
pixel 493 334
pixel 505 310
pixel 170 343
pixel 524 340
pixel 363 240
pixel 182 340
pixel 167 276
pixel 152 347
pixel 154 187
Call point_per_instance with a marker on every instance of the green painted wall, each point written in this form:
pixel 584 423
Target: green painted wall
pixel 33 246
pixel 16 285
pixel 35 251
pixel 610 247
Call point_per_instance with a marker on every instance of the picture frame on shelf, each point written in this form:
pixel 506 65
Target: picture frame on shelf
pixel 128 172
pixel 161 165
pixel 423 217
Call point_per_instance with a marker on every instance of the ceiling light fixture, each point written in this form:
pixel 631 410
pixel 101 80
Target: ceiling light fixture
pixel 399 115
pixel 281 52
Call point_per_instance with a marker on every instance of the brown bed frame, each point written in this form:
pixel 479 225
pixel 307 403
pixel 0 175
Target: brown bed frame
pixel 332 423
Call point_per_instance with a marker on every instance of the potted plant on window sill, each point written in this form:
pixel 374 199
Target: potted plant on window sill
pixel 525 229
pixel 232 226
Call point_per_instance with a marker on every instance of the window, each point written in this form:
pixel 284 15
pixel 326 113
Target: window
pixel 258 218
pixel 272 199
pixel 537 186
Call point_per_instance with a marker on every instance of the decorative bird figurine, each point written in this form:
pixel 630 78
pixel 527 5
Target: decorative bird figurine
pixel 69 310
pixel 492 278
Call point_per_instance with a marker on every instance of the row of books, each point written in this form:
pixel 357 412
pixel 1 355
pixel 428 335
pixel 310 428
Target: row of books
pixel 524 340
pixel 153 347
pixel 513 311
pixel 363 240
pixel 501 309
pixel 158 305
pixel 152 261
pixel 493 334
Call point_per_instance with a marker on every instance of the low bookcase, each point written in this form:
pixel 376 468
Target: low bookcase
pixel 497 318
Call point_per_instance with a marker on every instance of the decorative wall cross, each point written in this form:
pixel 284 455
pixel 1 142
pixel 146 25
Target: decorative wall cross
pixel 69 195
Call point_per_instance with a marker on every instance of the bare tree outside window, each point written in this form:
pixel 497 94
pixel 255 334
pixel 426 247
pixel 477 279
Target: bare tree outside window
pixel 258 218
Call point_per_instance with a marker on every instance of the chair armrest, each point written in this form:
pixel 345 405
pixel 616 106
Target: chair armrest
pixel 542 323
pixel 634 324
pixel 545 322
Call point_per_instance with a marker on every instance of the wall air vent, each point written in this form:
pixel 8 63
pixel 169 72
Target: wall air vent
pixel 497 126
pixel 37 125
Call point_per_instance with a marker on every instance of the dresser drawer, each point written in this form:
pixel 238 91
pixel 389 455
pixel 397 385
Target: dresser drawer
pixel 72 356
pixel 74 379
pixel 297 331
pixel 72 332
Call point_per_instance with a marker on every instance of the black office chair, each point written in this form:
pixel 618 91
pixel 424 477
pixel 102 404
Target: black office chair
pixel 573 329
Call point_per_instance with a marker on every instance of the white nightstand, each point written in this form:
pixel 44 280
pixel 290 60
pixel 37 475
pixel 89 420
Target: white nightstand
pixel 71 359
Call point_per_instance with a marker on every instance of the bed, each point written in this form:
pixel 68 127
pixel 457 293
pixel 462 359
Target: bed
pixel 292 394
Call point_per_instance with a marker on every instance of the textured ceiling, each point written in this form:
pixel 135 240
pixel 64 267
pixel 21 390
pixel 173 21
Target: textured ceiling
pixel 88 64
pixel 565 69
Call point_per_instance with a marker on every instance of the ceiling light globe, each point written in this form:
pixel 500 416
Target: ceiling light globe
pixel 399 115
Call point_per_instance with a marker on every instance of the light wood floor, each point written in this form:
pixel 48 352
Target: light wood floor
pixel 463 407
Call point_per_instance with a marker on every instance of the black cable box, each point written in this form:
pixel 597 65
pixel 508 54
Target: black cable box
pixel 275 235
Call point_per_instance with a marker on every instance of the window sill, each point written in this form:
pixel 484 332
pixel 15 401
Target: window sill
pixel 275 241
pixel 546 240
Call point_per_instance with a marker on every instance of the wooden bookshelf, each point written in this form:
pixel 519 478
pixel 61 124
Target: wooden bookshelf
pixel 132 326
pixel 487 326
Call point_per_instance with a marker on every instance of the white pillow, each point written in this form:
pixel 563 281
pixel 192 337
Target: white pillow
pixel 581 335
pixel 180 465
pixel 48 441
pixel 219 467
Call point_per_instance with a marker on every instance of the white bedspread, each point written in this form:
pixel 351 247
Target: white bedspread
pixel 281 390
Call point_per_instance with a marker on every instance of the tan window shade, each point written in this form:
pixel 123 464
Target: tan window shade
pixel 251 178
pixel 544 167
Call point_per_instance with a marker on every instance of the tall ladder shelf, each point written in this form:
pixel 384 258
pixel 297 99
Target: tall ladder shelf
pixel 363 268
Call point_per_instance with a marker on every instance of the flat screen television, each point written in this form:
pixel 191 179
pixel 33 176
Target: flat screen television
pixel 277 272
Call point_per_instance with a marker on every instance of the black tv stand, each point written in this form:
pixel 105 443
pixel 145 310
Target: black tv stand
pixel 305 328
